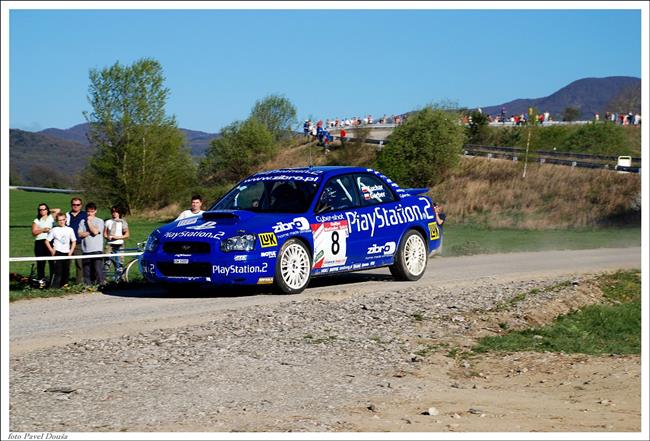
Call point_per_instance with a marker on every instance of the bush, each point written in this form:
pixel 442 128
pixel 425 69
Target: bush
pixel 422 150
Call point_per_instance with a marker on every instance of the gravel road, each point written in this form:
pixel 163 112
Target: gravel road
pixel 227 361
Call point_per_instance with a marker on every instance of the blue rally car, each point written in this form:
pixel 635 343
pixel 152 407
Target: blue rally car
pixel 284 226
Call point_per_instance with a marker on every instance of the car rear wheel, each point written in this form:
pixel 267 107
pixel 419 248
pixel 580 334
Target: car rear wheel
pixel 292 267
pixel 411 258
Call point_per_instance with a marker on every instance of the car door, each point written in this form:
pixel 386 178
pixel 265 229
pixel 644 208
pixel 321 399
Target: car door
pixel 379 231
pixel 334 246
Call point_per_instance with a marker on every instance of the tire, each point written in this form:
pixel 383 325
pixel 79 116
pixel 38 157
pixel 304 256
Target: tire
pixel 292 267
pixel 125 275
pixel 411 258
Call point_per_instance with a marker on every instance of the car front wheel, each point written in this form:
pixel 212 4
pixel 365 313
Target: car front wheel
pixel 293 267
pixel 411 258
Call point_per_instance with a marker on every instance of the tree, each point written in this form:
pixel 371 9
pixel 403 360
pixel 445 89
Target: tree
pixel 140 159
pixel 276 113
pixel 570 114
pixel 477 131
pixel 241 148
pixel 423 149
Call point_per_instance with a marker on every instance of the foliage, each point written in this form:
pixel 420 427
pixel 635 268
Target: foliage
pixel 606 139
pixel 599 138
pixel 477 130
pixel 423 149
pixel 277 114
pixel 140 161
pixel 239 151
pixel 570 114
pixel 595 329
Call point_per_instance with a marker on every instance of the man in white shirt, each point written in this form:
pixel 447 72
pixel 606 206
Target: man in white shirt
pixel 63 244
pixel 195 210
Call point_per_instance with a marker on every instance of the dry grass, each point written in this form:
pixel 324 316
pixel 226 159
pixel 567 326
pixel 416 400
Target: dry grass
pixel 493 193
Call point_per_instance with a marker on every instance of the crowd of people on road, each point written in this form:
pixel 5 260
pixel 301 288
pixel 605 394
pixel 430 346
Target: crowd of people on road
pixel 81 233
pixel 620 118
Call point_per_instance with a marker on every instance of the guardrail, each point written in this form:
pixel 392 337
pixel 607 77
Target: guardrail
pixel 581 160
pixel 44 189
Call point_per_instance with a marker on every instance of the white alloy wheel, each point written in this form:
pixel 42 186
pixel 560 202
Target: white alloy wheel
pixel 411 257
pixel 294 267
pixel 415 255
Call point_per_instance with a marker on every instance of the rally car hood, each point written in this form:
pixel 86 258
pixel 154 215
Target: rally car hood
pixel 223 223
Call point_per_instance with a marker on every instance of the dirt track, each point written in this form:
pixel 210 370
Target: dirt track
pixel 352 356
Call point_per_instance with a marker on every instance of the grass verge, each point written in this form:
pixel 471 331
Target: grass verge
pixel 610 328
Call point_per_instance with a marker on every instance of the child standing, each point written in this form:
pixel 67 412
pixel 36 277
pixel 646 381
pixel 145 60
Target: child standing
pixel 63 244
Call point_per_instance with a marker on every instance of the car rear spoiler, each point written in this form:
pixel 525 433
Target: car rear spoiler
pixel 415 191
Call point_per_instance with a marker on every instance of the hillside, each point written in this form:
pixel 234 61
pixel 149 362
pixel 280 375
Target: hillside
pixel 44 160
pixel 197 141
pixel 590 95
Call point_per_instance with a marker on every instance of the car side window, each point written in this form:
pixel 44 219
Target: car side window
pixel 338 194
pixel 373 190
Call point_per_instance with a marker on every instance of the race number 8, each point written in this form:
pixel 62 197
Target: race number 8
pixel 336 247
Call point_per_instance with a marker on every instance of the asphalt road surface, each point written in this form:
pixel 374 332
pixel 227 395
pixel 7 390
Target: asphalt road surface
pixel 41 323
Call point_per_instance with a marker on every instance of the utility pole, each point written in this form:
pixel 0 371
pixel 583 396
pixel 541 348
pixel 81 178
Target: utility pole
pixel 526 157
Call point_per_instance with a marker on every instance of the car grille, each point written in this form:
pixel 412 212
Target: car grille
pixel 186 247
pixel 185 270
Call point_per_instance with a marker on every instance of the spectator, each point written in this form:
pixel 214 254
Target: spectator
pixel 63 244
pixel 116 231
pixel 72 220
pixel 195 210
pixel 41 226
pixel 305 128
pixel 92 242
pixel 343 135
pixel 440 215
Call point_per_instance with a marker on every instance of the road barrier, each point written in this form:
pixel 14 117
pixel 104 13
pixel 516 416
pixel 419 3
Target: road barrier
pixel 83 256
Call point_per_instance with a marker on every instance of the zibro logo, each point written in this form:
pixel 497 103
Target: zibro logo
pixel 387 249
pixel 299 223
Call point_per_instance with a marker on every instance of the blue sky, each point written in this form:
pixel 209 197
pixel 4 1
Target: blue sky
pixel 329 63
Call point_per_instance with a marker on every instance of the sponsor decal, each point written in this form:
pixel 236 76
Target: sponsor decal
pixel 205 226
pixel 356 266
pixel 381 217
pixel 182 255
pixel 190 221
pixel 265 280
pixel 149 268
pixel 386 249
pixel 181 261
pixel 330 240
pixel 268 240
pixel 434 233
pixel 283 177
pixel 217 235
pixel 241 258
pixel 239 269
pixel 299 223
pixel 373 192
pixel 330 217
pixel 270 254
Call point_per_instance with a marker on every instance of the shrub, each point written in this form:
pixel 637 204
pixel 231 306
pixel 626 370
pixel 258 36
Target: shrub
pixel 422 150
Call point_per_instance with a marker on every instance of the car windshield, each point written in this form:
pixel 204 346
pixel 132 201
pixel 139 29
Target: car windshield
pixel 270 196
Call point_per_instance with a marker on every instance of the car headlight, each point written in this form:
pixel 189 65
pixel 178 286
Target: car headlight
pixel 152 243
pixel 244 242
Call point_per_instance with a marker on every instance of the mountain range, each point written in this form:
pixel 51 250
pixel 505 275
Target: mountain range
pixel 31 153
